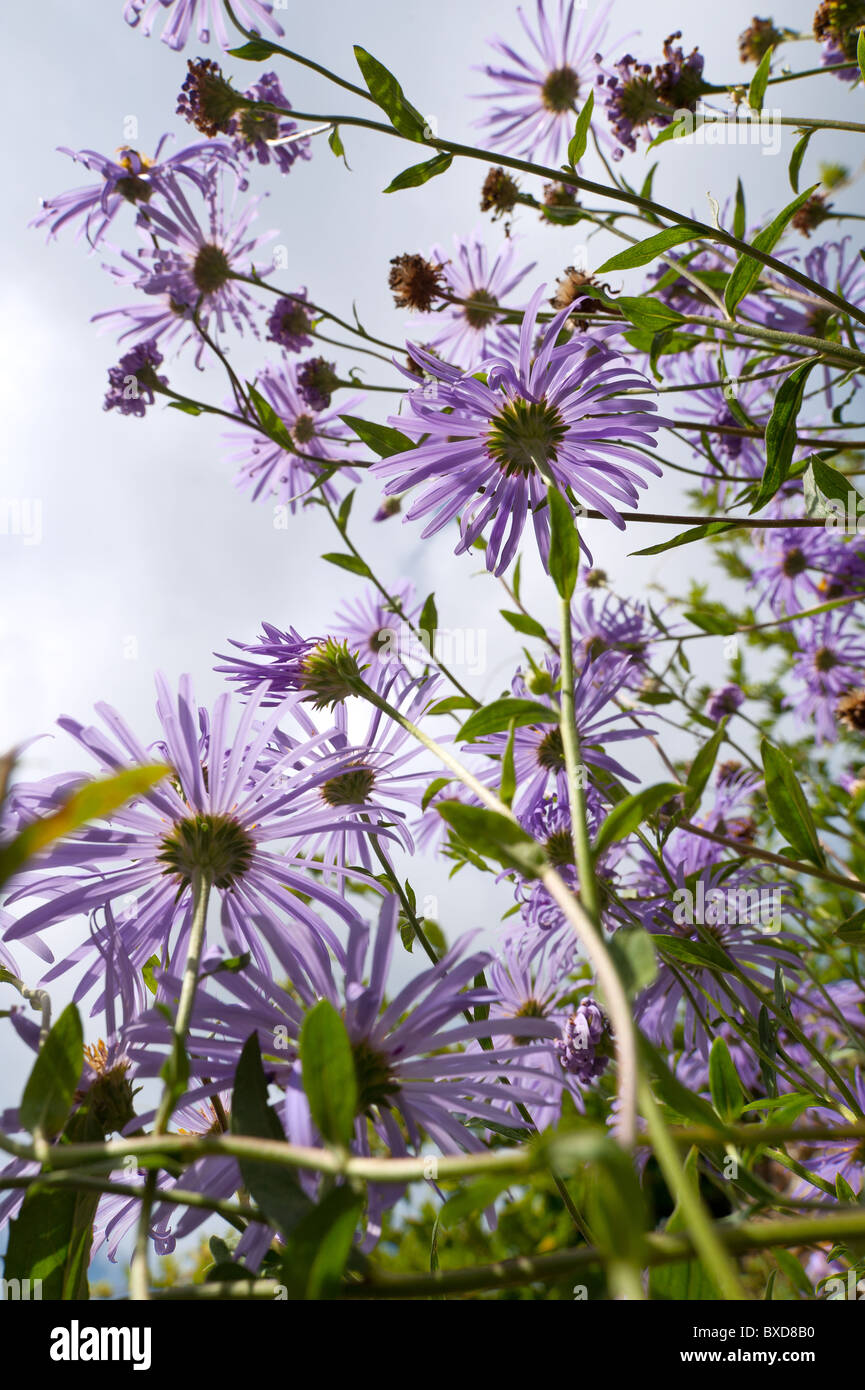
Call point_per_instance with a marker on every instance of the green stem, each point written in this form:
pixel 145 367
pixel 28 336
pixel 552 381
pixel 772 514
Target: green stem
pixel 139 1273
pixel 707 1242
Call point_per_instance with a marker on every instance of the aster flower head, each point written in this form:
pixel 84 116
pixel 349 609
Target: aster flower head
pixel 374 629
pixel 837 24
pixel 536 95
pixel 129 180
pixel 321 441
pixel 470 331
pixel 585 1048
pixel 321 670
pixel 499 194
pixel 799 566
pixel 215 818
pixel 830 662
pixel 758 38
pixel 290 321
pixel 192 269
pixel 415 282
pixel 263 135
pixel 133 382
pixel 201 17
pixel 633 93
pixel 489 448
pixel 725 700
pixel 317 379
pixel 207 99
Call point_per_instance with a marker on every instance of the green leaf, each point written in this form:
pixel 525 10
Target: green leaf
pixel 788 806
pixel 335 142
pixel 274 1189
pixel 725 1087
pixel 499 715
pixel 93 801
pixel 580 138
pixel 186 407
pixel 747 271
pixel 388 94
pixel 823 485
pixel 51 1086
pixel 860 53
pixel 796 159
pixel 345 507
pixel 671 1090
pixel 433 789
pixel 701 768
pixel 508 783
pixel 417 174
pixel 694 533
pixel 50 1240
pixel 318 1248
pixel 329 1077
pixel 564 561
pixel 349 562
pixel 649 249
pixel 521 622
pixel 647 313
pixel 273 425
pixel 739 219
pixel 429 618
pixel 452 702
pixel 711 622
pixel 382 439
pixel 634 957
pixel 495 836
pixel 757 89
pixel 475 1197
pixel 682 1279
pixel 781 433
pixel 147 973
pixel 632 811
pixel 256 51
pixel 696 953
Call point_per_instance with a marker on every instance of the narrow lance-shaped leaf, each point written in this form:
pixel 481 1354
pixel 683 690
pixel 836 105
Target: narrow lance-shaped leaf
pixel 52 1083
pixel 93 801
pixel 796 158
pixel 564 561
pixel 495 836
pixel 500 714
pixel 724 1084
pixel 389 95
pixel 384 440
pixel 418 174
pixel 648 250
pixel 275 1189
pixel 747 271
pixel 329 1077
pixel 781 434
pixel 630 813
pixel 580 138
pixel 757 89
pixel 788 806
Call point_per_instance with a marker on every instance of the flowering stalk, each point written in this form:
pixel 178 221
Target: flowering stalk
pixel 139 1275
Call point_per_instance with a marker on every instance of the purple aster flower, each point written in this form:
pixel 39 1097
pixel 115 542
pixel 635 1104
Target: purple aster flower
pixel 413 1082
pixel 799 565
pixel 611 624
pixel 323 445
pixel 836 26
pixel 488 448
pixel 537 97
pixel 264 136
pixel 219 813
pixel 633 93
pixel 585 1047
pixel 382 771
pixel 724 701
pixel 829 662
pixel 316 669
pixel 290 322
pixel 539 762
pixel 133 382
pixel 317 379
pixel 204 16
pixel 738 913
pixel 375 630
pixel 131 178
pixel 843 1158
pixel 190 271
pixel 469 332
pixel 530 978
